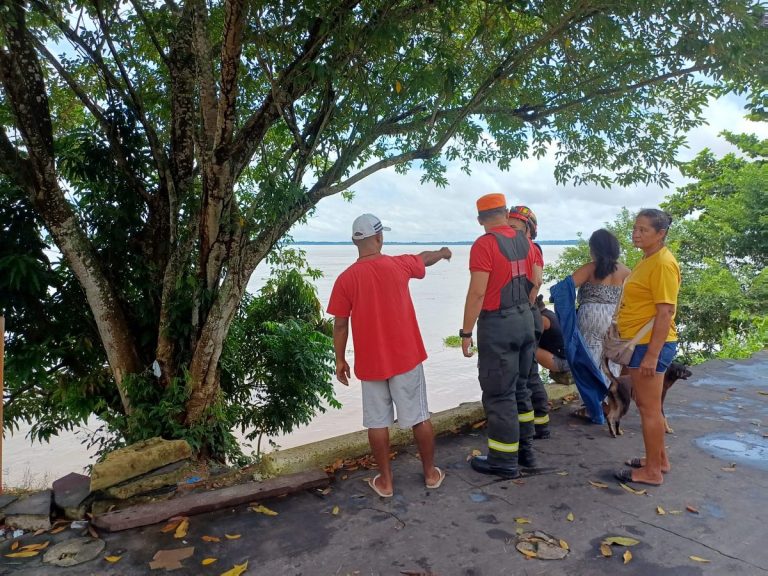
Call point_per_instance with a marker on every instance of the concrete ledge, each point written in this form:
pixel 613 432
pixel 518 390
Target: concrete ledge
pixel 355 444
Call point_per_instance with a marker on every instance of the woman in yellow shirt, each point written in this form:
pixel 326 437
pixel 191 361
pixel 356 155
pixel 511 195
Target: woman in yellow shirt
pixel 650 293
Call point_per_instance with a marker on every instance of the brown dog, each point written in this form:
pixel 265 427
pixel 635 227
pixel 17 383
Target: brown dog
pixel 619 396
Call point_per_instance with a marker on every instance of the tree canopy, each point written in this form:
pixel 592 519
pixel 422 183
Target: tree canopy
pixel 166 148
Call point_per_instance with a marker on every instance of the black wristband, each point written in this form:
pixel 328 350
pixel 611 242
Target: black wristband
pixel 463 334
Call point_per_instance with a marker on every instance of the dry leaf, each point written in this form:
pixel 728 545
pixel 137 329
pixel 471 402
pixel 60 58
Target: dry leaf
pixel 570 517
pixel 564 545
pixel 208 561
pixel 38 532
pixel 92 531
pixel 528 553
pixel 698 559
pixel 762 392
pixel 112 559
pixel 171 559
pixel 519 530
pixel 171 526
pixel 627 556
pixel 335 511
pixel 57 530
pixel 620 540
pixel 398 86
pixel 237 570
pixel 15 545
pixel 692 510
pixel 181 529
pixel 231 536
pixel 263 510
pixel 522 520
pixel 730 468
pixel 42 546
pixel 632 490
pixel 23 554
pixel 660 511
pixel 211 539
pixel 598 484
pixel 562 473
pixel 480 424
pixel 605 550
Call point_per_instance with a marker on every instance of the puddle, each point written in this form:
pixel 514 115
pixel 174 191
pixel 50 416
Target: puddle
pixel 738 376
pixel 478 497
pixel 747 449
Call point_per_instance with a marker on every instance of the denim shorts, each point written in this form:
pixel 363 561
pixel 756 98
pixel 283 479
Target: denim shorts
pixel 666 356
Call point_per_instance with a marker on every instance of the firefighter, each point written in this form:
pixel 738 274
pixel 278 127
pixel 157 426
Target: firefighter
pixel 498 299
pixel 523 219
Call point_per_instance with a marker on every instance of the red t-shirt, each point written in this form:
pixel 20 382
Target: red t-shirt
pixel 485 256
pixel 385 333
pixel 539 253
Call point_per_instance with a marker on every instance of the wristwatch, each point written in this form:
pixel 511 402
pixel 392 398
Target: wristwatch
pixel 463 334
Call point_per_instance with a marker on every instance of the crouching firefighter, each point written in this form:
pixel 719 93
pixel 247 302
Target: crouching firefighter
pixel 501 267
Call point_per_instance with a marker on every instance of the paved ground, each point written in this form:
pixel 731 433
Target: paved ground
pixel 468 526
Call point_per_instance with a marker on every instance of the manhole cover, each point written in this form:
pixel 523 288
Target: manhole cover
pixel 74 551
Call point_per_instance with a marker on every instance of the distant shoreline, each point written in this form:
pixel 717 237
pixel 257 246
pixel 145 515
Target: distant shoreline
pixel 444 243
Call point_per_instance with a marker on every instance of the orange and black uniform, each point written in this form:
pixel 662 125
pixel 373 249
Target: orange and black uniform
pixel 505 340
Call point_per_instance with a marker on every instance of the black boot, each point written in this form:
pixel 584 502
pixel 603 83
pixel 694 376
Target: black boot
pixel 484 466
pixel 542 432
pixel 525 457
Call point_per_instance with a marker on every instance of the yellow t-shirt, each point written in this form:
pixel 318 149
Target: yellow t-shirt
pixel 654 280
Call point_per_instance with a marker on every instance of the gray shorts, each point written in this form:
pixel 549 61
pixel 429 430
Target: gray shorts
pixel 408 391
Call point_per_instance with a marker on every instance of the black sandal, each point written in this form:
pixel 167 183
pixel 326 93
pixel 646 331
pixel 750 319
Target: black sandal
pixel 625 475
pixel 634 462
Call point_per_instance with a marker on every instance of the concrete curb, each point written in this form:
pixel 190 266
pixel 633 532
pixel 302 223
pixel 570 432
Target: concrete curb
pixel 355 444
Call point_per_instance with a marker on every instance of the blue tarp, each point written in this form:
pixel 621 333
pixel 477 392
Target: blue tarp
pixel 590 380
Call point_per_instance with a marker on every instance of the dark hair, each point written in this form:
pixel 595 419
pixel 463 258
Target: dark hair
pixel 659 219
pixel 485 215
pixel 605 251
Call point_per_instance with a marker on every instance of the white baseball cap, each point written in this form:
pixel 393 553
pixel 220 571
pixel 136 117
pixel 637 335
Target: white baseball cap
pixel 367 225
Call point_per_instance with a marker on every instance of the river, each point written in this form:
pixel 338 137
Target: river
pixel 451 378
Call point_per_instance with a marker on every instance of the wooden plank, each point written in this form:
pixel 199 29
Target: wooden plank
pixel 191 504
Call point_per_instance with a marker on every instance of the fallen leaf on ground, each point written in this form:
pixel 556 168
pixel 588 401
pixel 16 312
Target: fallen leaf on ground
pixel 41 546
pixel 519 530
pixel 23 554
pixel 698 559
pixel 112 559
pixel 564 545
pixel 522 520
pixel 627 556
pixel 208 561
pixel 597 484
pixel 92 531
pixel 181 529
pixel 335 511
pixel 15 545
pixel 38 532
pixel 605 550
pixel 57 530
pixel 562 473
pixel 261 509
pixel 236 570
pixel 692 510
pixel 171 526
pixel 171 559
pixel 620 540
pixel 763 392
pixel 480 424
pixel 730 468
pixel 528 553
pixel 632 490
pixel 570 517
pixel 231 536
pixel 211 539
pixel 660 511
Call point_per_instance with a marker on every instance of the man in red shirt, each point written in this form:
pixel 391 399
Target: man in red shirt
pixel 389 352
pixel 522 219
pixel 501 263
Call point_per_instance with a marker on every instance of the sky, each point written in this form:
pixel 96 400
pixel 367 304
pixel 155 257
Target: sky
pixel 425 213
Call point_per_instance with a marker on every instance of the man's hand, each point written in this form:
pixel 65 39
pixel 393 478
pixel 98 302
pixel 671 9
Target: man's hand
pixel 446 253
pixel 342 372
pixel 466 347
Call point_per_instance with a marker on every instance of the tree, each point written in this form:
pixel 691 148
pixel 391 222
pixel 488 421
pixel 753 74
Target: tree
pixel 167 148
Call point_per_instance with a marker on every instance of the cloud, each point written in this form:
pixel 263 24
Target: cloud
pixel 426 213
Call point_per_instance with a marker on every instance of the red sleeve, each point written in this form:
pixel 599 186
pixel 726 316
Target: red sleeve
pixel 539 254
pixel 531 260
pixel 481 254
pixel 339 303
pixel 413 265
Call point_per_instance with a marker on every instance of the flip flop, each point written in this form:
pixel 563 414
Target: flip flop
pixel 436 485
pixel 625 475
pixel 634 462
pixel 372 483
